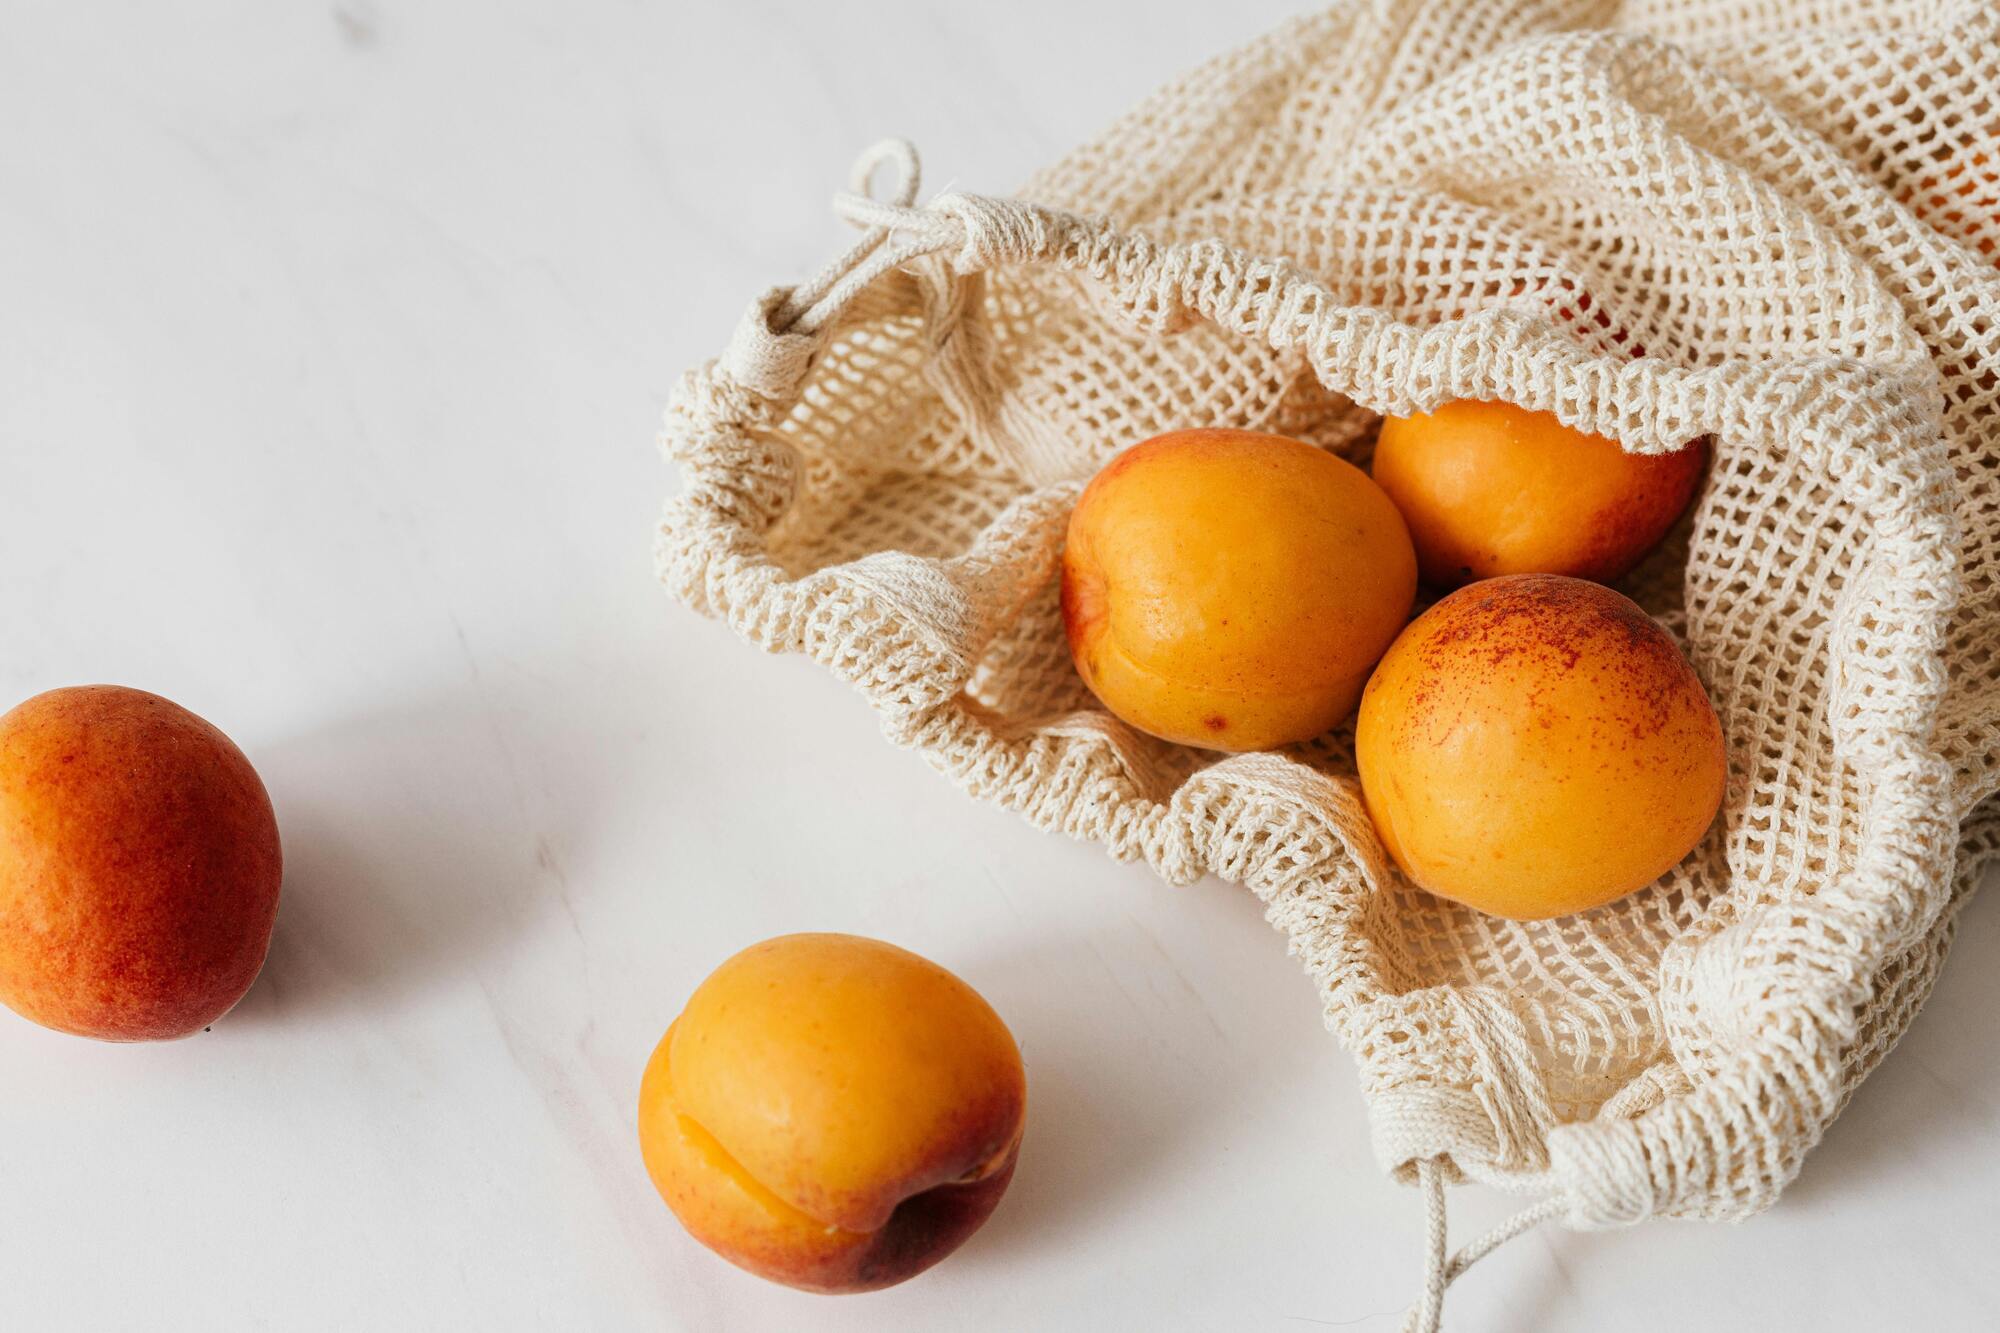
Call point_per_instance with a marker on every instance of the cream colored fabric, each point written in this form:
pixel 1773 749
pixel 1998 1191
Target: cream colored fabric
pixel 1755 220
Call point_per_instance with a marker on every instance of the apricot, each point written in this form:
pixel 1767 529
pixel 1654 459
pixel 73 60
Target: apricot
pixel 1953 197
pixel 1489 488
pixel 1232 590
pixel 139 866
pixel 833 1113
pixel 1535 745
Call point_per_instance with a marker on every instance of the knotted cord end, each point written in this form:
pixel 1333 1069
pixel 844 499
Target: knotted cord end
pixel 978 231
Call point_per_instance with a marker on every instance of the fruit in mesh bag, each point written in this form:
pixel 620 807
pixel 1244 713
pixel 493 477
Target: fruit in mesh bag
pixel 1232 590
pixel 1534 746
pixel 1952 195
pixel 1489 488
pixel 833 1113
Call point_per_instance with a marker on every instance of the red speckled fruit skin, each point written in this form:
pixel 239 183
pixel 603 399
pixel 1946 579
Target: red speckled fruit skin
pixel 139 866
pixel 1535 745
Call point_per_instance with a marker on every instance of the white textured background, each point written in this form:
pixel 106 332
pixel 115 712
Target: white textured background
pixel 332 341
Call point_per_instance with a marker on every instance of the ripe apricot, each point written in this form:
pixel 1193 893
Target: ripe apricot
pixel 1489 488
pixel 1952 196
pixel 139 866
pixel 833 1113
pixel 1232 590
pixel 1535 745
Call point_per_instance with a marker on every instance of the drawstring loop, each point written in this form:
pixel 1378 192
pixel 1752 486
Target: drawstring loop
pixel 811 306
pixel 783 330
pixel 979 231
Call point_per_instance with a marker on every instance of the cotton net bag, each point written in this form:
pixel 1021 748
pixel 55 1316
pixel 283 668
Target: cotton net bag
pixel 1771 223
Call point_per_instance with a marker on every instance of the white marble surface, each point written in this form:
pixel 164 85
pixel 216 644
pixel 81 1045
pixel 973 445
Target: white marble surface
pixel 331 346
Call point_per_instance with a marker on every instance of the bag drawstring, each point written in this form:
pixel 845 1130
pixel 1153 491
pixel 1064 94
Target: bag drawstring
pixel 981 232
pixel 1425 1316
pixel 812 304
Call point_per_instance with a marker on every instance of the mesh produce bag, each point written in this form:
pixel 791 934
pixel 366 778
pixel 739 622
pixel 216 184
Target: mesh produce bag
pixel 1773 223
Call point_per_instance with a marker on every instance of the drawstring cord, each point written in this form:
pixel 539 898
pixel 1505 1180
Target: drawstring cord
pixel 1439 1273
pixel 981 232
pixel 812 305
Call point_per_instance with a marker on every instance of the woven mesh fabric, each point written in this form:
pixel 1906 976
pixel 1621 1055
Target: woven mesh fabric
pixel 1773 223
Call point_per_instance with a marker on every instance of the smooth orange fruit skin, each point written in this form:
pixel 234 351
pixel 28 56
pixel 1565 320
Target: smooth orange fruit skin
pixel 1535 745
pixel 1490 489
pixel 832 1112
pixel 139 866
pixel 1232 590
